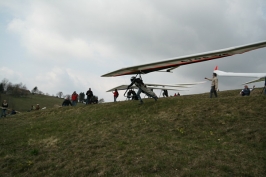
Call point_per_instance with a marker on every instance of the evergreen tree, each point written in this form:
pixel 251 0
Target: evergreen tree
pixel 60 94
pixel 35 90
pixel 2 88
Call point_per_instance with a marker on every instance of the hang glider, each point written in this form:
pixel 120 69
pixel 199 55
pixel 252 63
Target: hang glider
pixel 173 63
pixel 165 88
pixel 186 85
pixel 259 76
pixel 124 87
pixel 121 87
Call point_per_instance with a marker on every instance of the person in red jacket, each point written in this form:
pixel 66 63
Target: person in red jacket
pixel 116 94
pixel 74 98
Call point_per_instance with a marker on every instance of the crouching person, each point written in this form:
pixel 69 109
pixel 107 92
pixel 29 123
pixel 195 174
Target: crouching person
pixel 66 102
pixel 246 91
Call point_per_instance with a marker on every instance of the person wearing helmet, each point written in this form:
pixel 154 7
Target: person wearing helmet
pixel 142 88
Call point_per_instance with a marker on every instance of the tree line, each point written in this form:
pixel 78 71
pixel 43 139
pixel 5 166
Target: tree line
pixel 7 87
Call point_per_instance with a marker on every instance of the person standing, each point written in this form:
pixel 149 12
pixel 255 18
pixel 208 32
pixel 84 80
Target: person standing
pixel 4 108
pixel 116 94
pixel 214 85
pixel 89 94
pixel 165 93
pixel 74 98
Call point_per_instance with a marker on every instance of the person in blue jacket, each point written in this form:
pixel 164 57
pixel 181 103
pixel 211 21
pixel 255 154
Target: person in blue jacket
pixel 246 91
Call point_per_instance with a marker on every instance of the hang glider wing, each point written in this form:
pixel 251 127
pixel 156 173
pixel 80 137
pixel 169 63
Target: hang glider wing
pixel 186 85
pixel 166 85
pixel 259 76
pixel 165 88
pixel 195 83
pixel 189 59
pixel 256 80
pixel 121 87
pixel 124 87
pixel 232 74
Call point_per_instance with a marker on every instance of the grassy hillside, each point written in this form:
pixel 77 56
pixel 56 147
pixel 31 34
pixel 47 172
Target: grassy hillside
pixel 23 104
pixel 177 136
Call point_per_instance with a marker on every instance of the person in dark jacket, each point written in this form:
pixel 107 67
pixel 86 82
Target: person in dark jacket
pixel 134 95
pixel 13 112
pixel 66 102
pixel 246 91
pixel 165 93
pixel 4 108
pixel 89 94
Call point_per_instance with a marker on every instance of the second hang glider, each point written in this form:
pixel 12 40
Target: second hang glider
pixel 124 87
pixel 159 86
pixel 258 76
pixel 171 64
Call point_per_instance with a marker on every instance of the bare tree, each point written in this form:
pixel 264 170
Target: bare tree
pixel 5 83
pixel 9 88
pixel 40 92
pixel 16 89
pixel 24 87
pixel 2 90
pixel 60 94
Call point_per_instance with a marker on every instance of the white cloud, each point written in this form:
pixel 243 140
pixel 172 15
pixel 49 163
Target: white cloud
pixel 11 75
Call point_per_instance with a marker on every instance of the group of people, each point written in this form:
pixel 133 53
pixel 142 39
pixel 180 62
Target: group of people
pixel 131 94
pixel 165 93
pixel 178 94
pixel 214 87
pixel 142 88
pixel 37 107
pixel 73 102
pixel 74 99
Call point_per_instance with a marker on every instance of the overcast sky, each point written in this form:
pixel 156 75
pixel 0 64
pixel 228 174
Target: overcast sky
pixel 67 45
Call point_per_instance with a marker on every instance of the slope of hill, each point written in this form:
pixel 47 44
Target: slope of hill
pixel 23 104
pixel 178 136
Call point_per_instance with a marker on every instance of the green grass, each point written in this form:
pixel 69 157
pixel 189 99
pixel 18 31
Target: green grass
pixel 23 104
pixel 178 136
